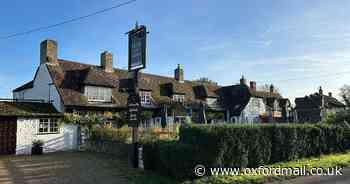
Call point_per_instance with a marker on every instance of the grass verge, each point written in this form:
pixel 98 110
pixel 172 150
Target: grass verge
pixel 325 161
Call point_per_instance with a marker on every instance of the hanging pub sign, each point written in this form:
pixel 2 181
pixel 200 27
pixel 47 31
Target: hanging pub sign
pixel 137 48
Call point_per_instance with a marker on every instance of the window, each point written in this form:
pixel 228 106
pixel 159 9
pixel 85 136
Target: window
pixel 211 101
pixel 20 95
pixel 145 97
pixel 179 98
pixel 98 94
pixel 48 126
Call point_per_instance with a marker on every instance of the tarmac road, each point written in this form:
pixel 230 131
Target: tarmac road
pixel 344 179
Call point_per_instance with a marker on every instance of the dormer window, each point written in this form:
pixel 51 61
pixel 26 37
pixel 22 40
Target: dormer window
pixel 145 97
pixel 98 94
pixel 179 98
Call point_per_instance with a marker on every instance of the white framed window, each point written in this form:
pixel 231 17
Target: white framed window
pixel 211 101
pixel 145 97
pixel 98 94
pixel 179 98
pixel 48 126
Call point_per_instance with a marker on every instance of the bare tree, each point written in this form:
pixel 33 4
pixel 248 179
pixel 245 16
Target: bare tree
pixel 345 94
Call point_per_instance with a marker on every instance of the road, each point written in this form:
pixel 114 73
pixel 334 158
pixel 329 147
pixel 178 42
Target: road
pixel 344 179
pixel 64 168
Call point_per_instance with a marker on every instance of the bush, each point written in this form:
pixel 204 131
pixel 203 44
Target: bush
pixel 111 134
pixel 341 119
pixel 241 146
pixel 171 165
pixel 255 145
pixel 150 155
pixel 229 146
pixel 169 158
pixel 347 138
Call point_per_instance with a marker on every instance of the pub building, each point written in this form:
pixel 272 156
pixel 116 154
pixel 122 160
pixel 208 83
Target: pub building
pixel 73 86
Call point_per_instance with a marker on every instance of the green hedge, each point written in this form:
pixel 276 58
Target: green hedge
pixel 347 138
pixel 241 146
pixel 254 145
pixel 170 158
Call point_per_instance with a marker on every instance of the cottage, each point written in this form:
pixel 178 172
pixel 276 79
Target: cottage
pixel 76 87
pixel 264 106
pixel 316 107
pixel 23 122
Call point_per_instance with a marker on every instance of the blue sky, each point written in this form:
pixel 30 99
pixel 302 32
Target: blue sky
pixel 268 41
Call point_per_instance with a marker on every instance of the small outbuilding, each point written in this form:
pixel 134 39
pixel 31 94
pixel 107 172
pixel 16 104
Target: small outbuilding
pixel 21 123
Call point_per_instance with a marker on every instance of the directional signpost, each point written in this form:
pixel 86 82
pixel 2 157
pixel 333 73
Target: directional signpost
pixel 137 62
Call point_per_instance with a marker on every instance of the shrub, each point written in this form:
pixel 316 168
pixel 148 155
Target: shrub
pixel 150 155
pixel 111 134
pixel 169 158
pixel 347 138
pixel 150 134
pixel 259 146
pixel 241 146
pixel 229 146
pixel 341 119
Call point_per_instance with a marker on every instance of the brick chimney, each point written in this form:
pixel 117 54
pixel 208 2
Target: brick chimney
pixel 48 52
pixel 179 73
pixel 107 61
pixel 272 88
pixel 320 91
pixel 253 85
pixel 243 81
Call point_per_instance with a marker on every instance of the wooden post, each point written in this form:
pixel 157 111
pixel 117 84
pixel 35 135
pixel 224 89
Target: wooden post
pixel 137 61
pixel 135 128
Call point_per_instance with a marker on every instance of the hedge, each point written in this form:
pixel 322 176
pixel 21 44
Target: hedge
pixel 253 145
pixel 170 158
pixel 241 146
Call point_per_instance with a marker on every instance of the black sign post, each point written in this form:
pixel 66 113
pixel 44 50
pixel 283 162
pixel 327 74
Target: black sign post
pixel 137 48
pixel 137 62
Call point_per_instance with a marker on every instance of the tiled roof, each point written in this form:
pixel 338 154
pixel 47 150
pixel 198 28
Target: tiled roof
pixel 331 101
pixel 264 94
pixel 70 77
pixel 25 109
pixel 235 97
pixel 92 76
pixel 205 90
pixel 314 101
pixel 27 85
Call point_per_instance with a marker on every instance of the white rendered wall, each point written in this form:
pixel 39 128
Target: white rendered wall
pixel 42 90
pixel 27 132
pixel 252 111
pixel 20 94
